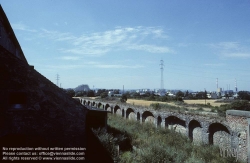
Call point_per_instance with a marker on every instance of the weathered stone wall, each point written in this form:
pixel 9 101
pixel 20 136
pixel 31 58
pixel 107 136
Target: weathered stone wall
pixel 238 121
pixel 197 135
pixel 49 113
pixel 230 134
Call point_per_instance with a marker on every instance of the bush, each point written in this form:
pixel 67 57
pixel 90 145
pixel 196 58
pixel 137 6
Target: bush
pixel 240 105
pixel 236 105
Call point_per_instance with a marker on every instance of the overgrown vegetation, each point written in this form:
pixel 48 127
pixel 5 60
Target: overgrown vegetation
pixel 150 144
pixel 235 105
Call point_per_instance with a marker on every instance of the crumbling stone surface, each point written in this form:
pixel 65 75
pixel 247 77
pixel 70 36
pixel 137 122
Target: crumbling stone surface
pixel 50 116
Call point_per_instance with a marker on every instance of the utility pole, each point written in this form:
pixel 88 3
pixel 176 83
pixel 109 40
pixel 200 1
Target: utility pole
pixel 57 79
pixel 162 82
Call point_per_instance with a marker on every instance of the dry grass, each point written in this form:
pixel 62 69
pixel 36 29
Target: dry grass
pixel 212 102
pixel 142 102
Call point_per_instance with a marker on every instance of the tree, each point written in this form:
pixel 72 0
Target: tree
pixel 123 98
pixel 244 95
pixel 70 92
pixel 179 96
pixel 104 94
pixel 91 93
pixel 240 105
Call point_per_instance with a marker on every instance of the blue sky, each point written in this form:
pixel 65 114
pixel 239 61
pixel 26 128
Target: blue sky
pixel 108 44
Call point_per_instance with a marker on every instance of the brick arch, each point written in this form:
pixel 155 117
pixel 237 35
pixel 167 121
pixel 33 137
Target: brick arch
pixel 147 116
pixel 191 126
pixel 215 127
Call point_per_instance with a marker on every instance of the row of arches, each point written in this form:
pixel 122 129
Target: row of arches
pixel 192 128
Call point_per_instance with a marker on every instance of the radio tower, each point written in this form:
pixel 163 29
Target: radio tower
pixel 162 82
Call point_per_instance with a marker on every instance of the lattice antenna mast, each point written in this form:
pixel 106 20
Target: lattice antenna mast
pixel 57 79
pixel 162 82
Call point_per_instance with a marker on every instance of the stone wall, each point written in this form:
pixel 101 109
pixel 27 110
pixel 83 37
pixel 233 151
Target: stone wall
pixel 230 133
pixel 49 115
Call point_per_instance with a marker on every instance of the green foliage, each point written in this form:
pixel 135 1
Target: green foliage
pixel 244 95
pixel 241 105
pixel 156 106
pixel 123 98
pixel 236 105
pixel 152 144
pixel 104 94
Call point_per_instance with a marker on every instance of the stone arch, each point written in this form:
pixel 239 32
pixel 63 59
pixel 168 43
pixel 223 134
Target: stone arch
pixel 108 107
pixel 117 110
pixel 193 124
pixel 89 103
pixel 84 102
pixel 159 120
pixel 138 116
pixel 175 123
pixel 93 103
pixel 130 114
pixel 99 105
pixel 147 116
pixel 217 127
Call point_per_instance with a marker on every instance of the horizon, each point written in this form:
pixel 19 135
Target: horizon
pixel 108 45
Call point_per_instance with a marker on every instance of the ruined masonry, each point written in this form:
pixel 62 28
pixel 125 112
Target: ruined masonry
pixel 230 134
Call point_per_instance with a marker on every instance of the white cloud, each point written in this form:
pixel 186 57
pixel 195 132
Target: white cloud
pixel 237 55
pixel 55 35
pixel 152 48
pixel 231 50
pixel 100 43
pixel 225 45
pixel 22 27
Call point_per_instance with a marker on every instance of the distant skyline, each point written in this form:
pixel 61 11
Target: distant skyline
pixel 108 44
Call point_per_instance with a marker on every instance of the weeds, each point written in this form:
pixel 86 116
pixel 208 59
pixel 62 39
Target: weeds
pixel 150 144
